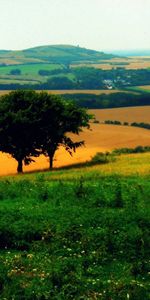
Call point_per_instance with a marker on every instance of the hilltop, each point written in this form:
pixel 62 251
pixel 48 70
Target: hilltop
pixel 52 54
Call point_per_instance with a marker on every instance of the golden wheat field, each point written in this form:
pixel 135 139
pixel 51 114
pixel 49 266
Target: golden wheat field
pixel 133 62
pixel 125 114
pixel 99 138
pixel 62 92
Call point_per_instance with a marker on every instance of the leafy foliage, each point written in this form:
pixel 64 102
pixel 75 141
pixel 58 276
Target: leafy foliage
pixel 33 123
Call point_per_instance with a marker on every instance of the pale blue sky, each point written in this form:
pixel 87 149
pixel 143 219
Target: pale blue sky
pixel 95 24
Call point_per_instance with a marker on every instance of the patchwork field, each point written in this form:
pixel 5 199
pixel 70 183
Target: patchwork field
pixel 61 92
pixel 134 63
pixel 99 138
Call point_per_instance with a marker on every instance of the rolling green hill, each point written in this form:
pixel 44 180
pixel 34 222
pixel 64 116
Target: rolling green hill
pixel 50 65
pixel 54 53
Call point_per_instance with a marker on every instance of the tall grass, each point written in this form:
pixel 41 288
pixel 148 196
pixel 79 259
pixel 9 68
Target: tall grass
pixel 82 238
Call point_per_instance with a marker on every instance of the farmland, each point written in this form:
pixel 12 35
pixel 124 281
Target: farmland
pixel 100 138
pixel 127 63
pixel 92 92
pixel 80 231
pixel 125 114
pixel 71 68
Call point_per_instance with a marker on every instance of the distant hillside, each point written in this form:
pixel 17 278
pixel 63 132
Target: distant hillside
pixel 66 67
pixel 131 52
pixel 53 54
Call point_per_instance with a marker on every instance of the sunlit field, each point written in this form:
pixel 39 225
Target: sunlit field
pixel 99 138
pixel 62 92
pixel 133 63
pixel 125 114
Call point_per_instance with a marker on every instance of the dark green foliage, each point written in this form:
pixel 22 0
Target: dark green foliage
pixel 109 101
pixel 138 149
pixel 113 122
pixel 88 240
pixel 33 123
pixel 17 126
pixel 102 158
pixel 142 125
pixel 15 72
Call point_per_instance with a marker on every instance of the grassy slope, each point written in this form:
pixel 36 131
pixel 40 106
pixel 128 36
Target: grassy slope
pixel 57 52
pixel 76 234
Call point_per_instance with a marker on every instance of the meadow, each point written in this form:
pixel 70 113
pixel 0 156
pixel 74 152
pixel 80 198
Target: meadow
pixel 76 233
pixel 29 68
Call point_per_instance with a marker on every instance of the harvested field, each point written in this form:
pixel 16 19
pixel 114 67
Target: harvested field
pixel 99 139
pixel 126 63
pixel 95 92
pixel 126 114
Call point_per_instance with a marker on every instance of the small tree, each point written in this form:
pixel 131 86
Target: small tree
pixel 58 118
pixel 15 72
pixel 17 126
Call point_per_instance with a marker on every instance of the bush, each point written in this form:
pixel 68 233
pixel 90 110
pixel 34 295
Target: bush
pixel 102 158
pixel 138 149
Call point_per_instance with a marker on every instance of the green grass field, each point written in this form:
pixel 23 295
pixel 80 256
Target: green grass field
pixel 75 234
pixel 29 73
pixel 29 69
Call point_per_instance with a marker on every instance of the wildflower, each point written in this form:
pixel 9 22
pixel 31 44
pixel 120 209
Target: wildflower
pixel 29 255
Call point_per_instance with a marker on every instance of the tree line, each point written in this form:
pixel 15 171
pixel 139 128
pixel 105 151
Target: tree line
pixel 34 123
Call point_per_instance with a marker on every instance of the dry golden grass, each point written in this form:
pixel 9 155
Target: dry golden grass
pixel 125 114
pixel 137 164
pixel 62 92
pixel 99 139
pixel 133 63
pixel 96 92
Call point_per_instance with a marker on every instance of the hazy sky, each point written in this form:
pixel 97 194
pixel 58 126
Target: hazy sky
pixel 95 24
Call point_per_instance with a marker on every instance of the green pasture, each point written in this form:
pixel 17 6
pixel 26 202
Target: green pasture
pixel 29 69
pixel 74 238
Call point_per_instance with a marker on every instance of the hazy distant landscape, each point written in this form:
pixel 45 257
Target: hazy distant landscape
pixel 66 67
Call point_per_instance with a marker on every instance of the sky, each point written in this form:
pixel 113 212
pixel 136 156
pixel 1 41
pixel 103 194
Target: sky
pixel 94 24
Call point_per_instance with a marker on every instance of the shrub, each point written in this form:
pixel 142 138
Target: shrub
pixel 102 158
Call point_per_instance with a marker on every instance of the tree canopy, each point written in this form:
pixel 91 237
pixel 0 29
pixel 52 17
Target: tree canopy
pixel 34 123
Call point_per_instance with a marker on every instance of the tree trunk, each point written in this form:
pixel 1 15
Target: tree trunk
pixel 20 166
pixel 51 161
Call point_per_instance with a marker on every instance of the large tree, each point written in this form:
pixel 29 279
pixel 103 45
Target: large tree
pixel 17 126
pixel 33 123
